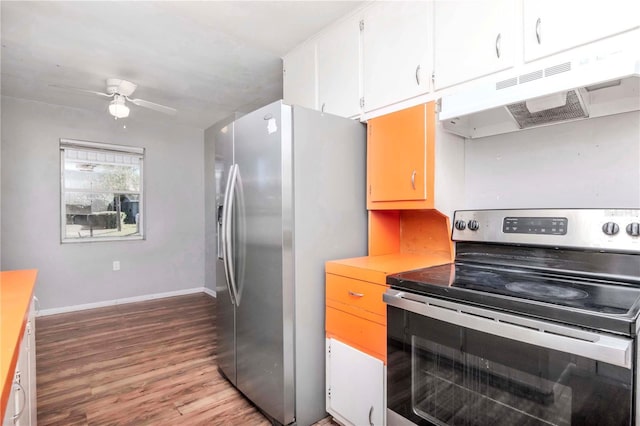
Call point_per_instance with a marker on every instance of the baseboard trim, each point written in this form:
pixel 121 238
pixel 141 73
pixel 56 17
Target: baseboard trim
pixel 210 292
pixel 54 311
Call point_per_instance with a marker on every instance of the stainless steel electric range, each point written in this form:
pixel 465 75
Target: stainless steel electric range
pixel 535 323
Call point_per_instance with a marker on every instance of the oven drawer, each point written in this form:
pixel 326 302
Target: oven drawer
pixel 367 336
pixel 357 297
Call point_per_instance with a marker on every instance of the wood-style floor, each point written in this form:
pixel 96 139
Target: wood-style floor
pixel 146 363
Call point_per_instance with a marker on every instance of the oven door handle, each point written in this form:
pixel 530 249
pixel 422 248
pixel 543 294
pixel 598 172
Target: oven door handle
pixel 600 347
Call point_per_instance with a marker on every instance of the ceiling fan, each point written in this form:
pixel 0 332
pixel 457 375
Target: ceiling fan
pixel 120 90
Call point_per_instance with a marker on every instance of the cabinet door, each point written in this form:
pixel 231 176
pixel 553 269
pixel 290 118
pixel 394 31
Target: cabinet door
pixel 21 384
pixel 11 404
pixel 299 76
pixel 551 26
pixel 338 57
pixel 396 156
pixel 31 345
pixel 396 57
pixel 472 39
pixel 355 385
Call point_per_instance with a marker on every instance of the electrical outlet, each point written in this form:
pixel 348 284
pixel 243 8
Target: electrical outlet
pixel 116 265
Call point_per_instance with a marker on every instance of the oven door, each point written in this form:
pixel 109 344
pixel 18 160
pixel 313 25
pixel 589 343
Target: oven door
pixel 452 364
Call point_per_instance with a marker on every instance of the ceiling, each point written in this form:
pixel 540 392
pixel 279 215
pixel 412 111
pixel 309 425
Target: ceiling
pixel 207 59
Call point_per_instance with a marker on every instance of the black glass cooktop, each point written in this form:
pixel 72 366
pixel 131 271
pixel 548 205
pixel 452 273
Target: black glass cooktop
pixel 592 303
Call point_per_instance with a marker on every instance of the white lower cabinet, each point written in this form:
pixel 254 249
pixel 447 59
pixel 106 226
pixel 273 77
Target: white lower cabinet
pixel 356 385
pixel 21 407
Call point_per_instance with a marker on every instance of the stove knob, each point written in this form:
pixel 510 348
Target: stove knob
pixel 460 225
pixel 633 229
pixel 610 228
pixel 473 225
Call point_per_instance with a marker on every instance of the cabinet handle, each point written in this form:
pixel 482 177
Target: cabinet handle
pixel 19 387
pixel 413 179
pixel 322 108
pixel 354 294
pixel 418 74
pixel 538 33
pixel 370 414
pixel 498 38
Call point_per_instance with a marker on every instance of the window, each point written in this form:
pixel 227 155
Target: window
pixel 101 191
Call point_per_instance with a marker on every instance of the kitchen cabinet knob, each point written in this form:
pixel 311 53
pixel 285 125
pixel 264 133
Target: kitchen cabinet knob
pixel 538 32
pixel 498 38
pixel 413 179
pixel 418 75
pixel 354 294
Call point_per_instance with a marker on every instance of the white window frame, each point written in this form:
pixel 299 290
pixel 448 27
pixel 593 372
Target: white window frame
pixel 105 147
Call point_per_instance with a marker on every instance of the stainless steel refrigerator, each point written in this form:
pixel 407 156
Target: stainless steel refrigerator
pixel 291 195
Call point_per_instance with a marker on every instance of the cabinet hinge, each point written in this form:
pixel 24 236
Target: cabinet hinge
pixel 433 78
pixel 362 102
pixel 439 105
pixel 362 25
pixel 329 393
pixel 369 189
pixel 17 377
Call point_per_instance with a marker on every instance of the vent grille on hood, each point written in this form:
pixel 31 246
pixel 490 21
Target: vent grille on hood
pixel 573 108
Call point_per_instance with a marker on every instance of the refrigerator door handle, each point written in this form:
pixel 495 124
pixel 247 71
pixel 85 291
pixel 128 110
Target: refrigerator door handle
pixel 225 236
pixel 229 262
pixel 240 241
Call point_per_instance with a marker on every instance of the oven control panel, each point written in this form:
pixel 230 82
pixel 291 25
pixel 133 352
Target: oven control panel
pixel 535 225
pixel 602 229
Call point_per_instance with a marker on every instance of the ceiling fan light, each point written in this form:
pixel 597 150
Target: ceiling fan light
pixel 118 109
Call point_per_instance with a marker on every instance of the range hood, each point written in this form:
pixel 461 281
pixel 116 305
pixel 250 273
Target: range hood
pixel 541 95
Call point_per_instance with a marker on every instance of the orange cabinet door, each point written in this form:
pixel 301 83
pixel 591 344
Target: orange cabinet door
pixel 396 147
pixel 400 158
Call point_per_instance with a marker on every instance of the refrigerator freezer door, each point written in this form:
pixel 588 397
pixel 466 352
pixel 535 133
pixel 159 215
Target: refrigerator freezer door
pixel 225 311
pixel 264 315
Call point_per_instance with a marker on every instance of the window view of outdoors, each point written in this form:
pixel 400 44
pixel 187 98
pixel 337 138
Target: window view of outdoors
pixel 102 193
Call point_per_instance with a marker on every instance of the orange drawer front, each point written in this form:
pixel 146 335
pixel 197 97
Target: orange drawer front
pixel 357 297
pixel 367 336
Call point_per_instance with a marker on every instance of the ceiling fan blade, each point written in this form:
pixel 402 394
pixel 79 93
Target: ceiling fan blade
pixel 153 106
pixel 77 89
pixel 122 87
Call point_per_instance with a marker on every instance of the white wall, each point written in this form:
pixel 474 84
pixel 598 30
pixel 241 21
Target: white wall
pixel 172 256
pixel 590 163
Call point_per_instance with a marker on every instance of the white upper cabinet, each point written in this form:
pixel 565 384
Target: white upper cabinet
pixel 551 26
pixel 299 76
pixel 338 56
pixel 397 57
pixel 473 38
